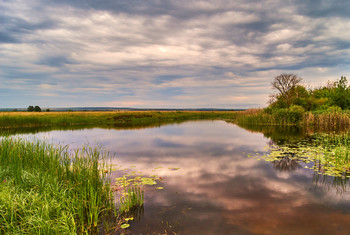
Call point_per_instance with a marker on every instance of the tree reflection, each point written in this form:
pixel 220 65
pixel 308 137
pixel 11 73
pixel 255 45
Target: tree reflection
pixel 286 163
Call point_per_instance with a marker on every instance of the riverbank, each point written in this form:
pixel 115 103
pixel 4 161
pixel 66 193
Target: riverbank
pixel 117 118
pixel 294 117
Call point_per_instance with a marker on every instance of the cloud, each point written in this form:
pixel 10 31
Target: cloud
pixel 169 49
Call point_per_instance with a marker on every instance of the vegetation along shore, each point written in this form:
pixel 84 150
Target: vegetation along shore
pixel 294 104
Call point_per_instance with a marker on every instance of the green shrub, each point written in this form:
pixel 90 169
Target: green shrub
pixel 334 109
pixel 295 113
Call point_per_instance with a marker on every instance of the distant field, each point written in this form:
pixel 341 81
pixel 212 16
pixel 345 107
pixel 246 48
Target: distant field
pixel 123 118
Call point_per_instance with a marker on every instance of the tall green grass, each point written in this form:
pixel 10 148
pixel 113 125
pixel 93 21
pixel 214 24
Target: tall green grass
pixel 46 190
pixel 132 199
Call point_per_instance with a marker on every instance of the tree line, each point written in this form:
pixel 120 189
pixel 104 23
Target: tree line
pixel 291 94
pixel 35 109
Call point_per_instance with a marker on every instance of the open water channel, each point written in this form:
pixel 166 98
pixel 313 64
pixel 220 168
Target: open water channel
pixel 211 185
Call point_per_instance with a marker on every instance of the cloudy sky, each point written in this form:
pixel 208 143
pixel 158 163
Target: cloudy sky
pixel 166 53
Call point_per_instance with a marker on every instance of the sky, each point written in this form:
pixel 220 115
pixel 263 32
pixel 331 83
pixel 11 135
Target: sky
pixel 166 53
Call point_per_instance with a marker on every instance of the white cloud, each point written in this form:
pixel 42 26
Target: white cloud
pixel 202 43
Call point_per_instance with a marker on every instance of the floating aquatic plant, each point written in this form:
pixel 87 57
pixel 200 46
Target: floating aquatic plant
pixel 325 154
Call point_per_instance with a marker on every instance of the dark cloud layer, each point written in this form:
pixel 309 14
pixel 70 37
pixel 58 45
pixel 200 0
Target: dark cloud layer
pixel 167 53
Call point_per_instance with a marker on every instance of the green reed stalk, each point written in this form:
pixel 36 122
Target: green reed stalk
pixel 44 189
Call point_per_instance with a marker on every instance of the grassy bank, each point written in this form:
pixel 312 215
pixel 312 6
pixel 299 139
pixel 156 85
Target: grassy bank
pixel 45 190
pixel 284 117
pixel 116 118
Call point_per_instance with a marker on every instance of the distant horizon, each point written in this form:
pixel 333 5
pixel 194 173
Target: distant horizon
pixel 119 108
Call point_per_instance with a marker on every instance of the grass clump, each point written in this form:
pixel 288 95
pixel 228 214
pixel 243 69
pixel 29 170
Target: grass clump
pixel 46 190
pixel 132 199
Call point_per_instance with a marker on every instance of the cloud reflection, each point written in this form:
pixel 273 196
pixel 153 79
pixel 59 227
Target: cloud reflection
pixel 217 188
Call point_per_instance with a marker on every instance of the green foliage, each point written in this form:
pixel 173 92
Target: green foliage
pixel 30 108
pixel 46 190
pixel 291 115
pixel 336 93
pixel 37 109
pixel 290 105
pixel 297 95
pixel 33 109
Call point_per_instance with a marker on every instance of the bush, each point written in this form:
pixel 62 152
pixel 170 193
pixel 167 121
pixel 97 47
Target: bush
pixel 334 109
pixel 292 115
pixel 268 110
pixel 296 113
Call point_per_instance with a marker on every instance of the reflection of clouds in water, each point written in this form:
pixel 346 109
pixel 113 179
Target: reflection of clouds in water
pixel 226 191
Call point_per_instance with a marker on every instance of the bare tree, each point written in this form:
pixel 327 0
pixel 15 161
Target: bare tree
pixel 284 83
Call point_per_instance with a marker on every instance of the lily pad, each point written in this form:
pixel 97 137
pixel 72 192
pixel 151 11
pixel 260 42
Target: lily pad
pixel 124 226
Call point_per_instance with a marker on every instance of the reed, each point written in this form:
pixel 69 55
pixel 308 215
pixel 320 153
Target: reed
pixel 132 199
pixel 334 120
pixel 284 117
pixel 261 117
pixel 46 190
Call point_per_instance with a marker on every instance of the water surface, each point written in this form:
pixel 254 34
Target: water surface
pixel 212 187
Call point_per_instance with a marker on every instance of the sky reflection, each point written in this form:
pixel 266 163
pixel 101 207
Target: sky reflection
pixel 217 188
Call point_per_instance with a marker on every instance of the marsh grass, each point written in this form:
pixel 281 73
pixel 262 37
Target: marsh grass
pixel 255 117
pixel 132 199
pixel 330 121
pixel 46 190
pixel 116 118
pixel 285 117
pixel 291 116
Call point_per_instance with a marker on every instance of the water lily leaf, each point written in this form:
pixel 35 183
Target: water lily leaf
pixel 148 181
pixel 124 226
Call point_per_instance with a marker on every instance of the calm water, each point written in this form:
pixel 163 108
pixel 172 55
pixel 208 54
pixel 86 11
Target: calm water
pixel 212 187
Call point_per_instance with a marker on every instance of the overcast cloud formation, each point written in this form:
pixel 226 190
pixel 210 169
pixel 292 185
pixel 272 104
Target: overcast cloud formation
pixel 166 53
